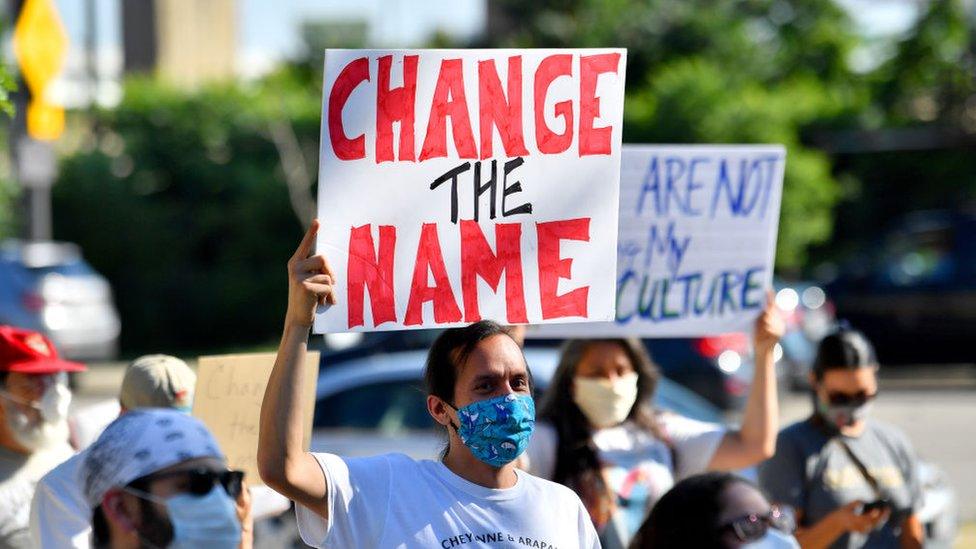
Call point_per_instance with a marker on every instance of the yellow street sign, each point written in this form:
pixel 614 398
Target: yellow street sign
pixel 44 121
pixel 41 44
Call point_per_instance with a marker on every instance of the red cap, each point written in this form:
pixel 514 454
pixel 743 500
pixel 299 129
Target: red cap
pixel 29 352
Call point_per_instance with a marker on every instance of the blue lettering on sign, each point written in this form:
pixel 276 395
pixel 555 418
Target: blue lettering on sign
pixel 689 295
pixel 741 191
pixel 675 187
pixel 665 243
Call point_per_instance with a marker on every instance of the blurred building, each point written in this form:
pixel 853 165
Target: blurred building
pixel 186 42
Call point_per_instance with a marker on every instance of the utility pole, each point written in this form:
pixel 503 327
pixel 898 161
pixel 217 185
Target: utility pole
pixel 40 45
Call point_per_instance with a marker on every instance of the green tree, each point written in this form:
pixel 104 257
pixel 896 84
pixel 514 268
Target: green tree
pixel 180 202
pixel 701 71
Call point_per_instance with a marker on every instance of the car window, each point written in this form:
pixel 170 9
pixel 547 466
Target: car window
pixel 389 407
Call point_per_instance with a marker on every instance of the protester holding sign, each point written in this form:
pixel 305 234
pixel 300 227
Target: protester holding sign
pixel 852 481
pixel 600 437
pixel 479 389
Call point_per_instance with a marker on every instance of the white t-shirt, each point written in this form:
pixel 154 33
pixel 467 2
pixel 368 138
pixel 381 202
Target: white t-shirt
pixel 391 500
pixel 638 467
pixel 59 514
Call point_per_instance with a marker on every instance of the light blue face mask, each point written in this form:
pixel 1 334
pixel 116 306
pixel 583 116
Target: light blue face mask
pixel 497 430
pixel 774 539
pixel 208 521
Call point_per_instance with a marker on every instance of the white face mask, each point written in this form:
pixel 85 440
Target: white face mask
pixel 604 402
pixel 46 425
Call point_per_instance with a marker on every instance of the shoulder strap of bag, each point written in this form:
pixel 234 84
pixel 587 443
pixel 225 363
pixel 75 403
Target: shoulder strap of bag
pixel 873 482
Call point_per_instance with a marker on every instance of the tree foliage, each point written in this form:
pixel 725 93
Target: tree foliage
pixel 179 200
pixel 699 71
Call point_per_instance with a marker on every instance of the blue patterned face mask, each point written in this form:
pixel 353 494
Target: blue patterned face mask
pixel 497 430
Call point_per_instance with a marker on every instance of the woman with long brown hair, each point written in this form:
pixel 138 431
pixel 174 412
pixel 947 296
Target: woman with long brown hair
pixel 598 434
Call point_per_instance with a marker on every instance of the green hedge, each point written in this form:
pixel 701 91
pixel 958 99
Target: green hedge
pixel 178 199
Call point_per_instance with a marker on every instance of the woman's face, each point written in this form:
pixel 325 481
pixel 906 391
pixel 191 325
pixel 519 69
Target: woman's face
pixel 604 359
pixel 843 396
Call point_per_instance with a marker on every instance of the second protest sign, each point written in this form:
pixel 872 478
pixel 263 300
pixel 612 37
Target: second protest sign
pixel 697 243
pixel 457 185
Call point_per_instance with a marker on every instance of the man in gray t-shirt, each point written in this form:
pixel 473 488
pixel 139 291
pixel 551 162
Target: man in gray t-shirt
pixel 813 473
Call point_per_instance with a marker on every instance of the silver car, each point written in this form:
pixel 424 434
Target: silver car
pixel 48 287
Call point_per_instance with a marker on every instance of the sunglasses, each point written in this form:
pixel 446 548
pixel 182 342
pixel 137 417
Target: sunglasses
pixel 199 481
pixel 753 527
pixel 847 399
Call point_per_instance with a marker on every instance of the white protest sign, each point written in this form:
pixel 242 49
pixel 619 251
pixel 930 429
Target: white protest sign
pixel 697 240
pixel 228 397
pixel 457 185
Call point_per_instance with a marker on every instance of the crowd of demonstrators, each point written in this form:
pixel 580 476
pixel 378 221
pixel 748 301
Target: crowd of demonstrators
pixel 716 509
pixel 599 435
pixel 59 514
pixel 850 479
pixel 601 468
pixel 157 478
pixel 479 389
pixel 34 400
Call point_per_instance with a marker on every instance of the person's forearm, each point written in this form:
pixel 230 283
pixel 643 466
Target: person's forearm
pixel 912 533
pixel 760 421
pixel 821 534
pixel 281 430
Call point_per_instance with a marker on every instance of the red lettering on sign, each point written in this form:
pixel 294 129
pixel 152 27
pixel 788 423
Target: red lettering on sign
pixel 552 267
pixel 478 261
pixel 594 140
pixel 430 259
pixel 395 105
pixel 352 75
pixel 495 110
pixel 373 271
pixel 549 69
pixel 449 100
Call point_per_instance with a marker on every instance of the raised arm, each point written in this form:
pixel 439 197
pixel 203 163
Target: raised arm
pixel 284 465
pixel 755 441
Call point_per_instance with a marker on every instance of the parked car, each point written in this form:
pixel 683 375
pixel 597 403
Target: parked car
pixel 913 293
pixel 48 287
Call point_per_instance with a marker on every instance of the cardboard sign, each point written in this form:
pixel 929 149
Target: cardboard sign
pixel 457 185
pixel 228 398
pixel 697 241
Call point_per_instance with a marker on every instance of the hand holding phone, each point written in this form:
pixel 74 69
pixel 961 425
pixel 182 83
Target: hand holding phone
pixel 879 504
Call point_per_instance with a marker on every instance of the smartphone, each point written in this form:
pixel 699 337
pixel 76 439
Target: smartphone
pixel 881 504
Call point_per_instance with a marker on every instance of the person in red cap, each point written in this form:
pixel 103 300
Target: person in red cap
pixel 34 400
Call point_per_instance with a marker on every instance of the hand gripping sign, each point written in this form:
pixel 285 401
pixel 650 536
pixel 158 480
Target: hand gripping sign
pixel 457 185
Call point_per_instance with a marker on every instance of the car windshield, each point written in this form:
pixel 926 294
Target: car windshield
pixel 389 407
